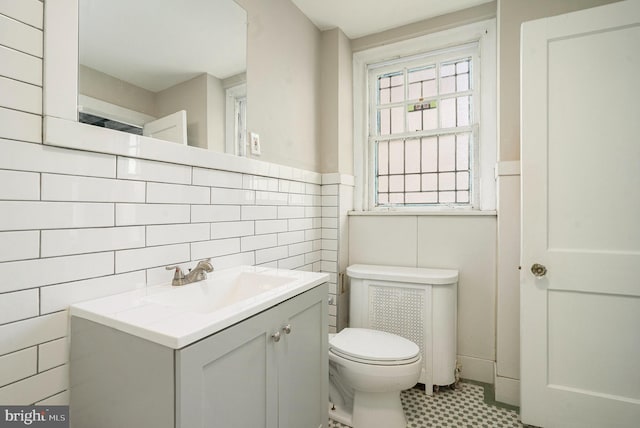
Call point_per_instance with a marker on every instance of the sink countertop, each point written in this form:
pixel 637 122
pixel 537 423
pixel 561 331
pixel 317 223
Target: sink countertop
pixel 142 314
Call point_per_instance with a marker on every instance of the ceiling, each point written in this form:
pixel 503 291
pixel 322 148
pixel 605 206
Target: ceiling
pixel 131 40
pixel 359 18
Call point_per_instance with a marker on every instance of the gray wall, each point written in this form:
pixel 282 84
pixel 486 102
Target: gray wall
pixel 336 132
pixel 283 82
pixel 465 243
pixel 97 84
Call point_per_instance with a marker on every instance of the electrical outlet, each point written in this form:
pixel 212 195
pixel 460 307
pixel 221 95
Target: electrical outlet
pixel 254 143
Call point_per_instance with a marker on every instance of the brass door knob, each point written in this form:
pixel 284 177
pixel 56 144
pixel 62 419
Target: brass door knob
pixel 538 270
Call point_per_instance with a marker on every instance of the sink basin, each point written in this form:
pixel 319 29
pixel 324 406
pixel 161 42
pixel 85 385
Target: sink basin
pixel 178 316
pixel 215 293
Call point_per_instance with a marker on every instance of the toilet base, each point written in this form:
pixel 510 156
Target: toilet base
pixel 340 414
pixel 378 410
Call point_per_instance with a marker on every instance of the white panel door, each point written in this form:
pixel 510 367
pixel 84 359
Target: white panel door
pixel 170 128
pixel 580 322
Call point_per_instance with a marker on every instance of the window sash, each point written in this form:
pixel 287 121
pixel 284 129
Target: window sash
pixel 403 66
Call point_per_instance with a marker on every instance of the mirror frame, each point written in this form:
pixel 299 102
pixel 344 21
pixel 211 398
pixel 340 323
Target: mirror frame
pixel 60 117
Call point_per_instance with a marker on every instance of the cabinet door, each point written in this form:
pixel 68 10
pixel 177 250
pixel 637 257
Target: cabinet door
pixel 230 379
pixel 303 361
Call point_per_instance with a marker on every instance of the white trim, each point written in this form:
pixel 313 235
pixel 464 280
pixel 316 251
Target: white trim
pixel 421 212
pixel 337 178
pixel 107 110
pixel 485 33
pixel 231 95
pixel 60 68
pixel 478 369
pixel 505 168
pixel 74 135
pixel 507 390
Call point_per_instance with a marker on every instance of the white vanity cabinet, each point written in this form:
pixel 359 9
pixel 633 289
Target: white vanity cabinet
pixel 270 370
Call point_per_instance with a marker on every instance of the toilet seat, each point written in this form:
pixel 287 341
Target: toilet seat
pixel 368 346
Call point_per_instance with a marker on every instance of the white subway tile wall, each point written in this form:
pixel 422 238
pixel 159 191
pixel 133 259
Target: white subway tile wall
pixel 77 225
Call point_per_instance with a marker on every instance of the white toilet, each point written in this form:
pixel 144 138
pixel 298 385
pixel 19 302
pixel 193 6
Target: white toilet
pixel 367 371
pixel 369 365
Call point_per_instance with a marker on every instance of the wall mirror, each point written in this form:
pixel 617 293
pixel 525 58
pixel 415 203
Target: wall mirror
pixel 171 70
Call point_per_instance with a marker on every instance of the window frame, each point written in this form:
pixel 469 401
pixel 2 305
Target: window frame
pixel 469 50
pixel 485 136
pixel 236 120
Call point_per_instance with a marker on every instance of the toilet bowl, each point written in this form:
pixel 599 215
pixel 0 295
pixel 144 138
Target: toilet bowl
pixel 367 371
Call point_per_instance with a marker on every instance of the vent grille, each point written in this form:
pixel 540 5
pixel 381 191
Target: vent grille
pixel 399 311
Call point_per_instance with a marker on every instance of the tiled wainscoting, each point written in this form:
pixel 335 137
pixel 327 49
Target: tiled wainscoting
pixel 76 225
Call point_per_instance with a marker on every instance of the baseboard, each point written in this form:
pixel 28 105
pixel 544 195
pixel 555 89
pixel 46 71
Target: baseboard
pixel 507 390
pixel 476 369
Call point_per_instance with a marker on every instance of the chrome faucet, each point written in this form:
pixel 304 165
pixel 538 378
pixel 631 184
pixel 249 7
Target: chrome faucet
pixel 198 273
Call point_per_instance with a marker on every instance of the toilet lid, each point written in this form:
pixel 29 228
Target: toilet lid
pixel 373 345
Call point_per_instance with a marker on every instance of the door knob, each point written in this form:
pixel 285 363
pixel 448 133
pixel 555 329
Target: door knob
pixel 538 270
pixel 276 336
pixel 287 328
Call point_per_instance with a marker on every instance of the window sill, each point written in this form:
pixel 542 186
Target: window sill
pixel 421 213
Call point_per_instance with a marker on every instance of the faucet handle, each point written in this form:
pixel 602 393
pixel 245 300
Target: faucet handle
pixel 179 274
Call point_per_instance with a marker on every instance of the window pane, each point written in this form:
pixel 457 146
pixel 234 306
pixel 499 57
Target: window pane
pixel 422 82
pixel 397 79
pixel 384 121
pixel 421 198
pixel 383 198
pixel 415 120
pixel 462 181
pixel 385 96
pixel 415 91
pixel 397 120
pixel 447 181
pixel 421 74
pixel 429 88
pixel 383 157
pixel 397 93
pixel 429 119
pixel 464 111
pixel 446 197
pixel 396 183
pixel 462 66
pixel 462 197
pixel 447 85
pixel 446 153
pixel 448 113
pixel 430 154
pixel 396 198
pixel 412 183
pixel 429 182
pixel 462 155
pixel 447 69
pixel 412 156
pixel 462 82
pixel 384 82
pixel 383 183
pixel 396 157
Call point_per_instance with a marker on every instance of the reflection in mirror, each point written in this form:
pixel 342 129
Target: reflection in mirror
pixel 173 70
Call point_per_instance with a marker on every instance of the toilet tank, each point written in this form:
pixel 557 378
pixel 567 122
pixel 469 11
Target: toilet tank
pixel 419 304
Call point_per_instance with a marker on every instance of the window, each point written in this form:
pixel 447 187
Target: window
pixel 428 123
pixel 236 120
pixel 423 129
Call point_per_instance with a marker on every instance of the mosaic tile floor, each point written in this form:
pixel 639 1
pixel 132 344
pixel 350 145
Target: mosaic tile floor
pixel 463 407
